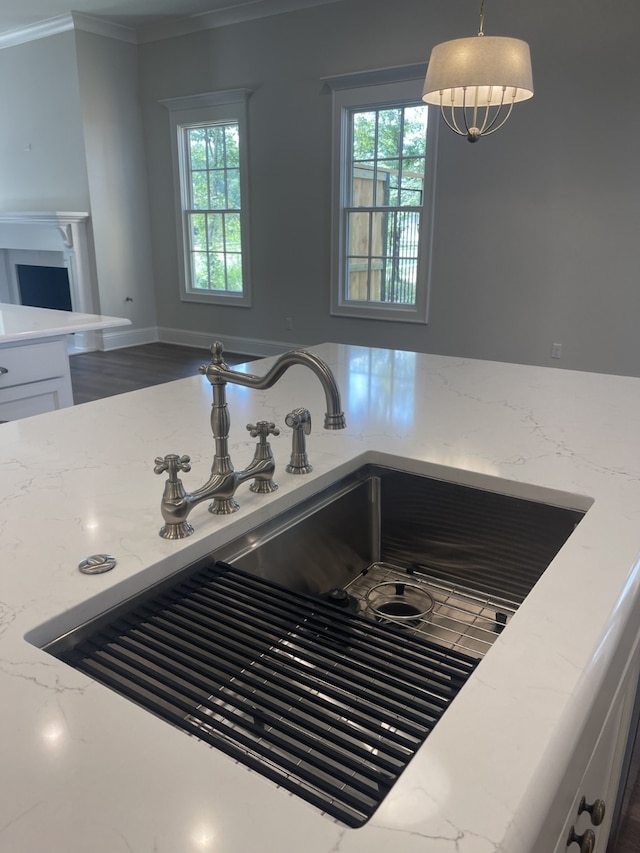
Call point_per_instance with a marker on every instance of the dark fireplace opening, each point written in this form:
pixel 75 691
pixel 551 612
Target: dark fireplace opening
pixel 44 287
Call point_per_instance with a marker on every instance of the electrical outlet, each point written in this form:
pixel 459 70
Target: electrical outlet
pixel 288 323
pixel 556 350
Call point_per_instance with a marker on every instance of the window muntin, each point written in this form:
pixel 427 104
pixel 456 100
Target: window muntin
pixel 213 225
pixel 383 181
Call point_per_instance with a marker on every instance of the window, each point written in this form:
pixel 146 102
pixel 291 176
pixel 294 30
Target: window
pixel 209 137
pixel 384 155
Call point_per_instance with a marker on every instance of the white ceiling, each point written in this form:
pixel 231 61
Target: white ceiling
pixel 17 14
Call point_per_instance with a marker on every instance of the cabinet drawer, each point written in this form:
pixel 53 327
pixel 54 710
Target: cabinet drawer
pixel 35 398
pixel 31 362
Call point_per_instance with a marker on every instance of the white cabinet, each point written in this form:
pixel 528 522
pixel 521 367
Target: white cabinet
pixel 34 378
pixel 599 784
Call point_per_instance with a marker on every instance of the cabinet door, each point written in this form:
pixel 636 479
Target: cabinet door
pixel 602 776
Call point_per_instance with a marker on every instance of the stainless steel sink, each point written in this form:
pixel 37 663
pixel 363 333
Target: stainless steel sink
pixel 321 648
pixel 478 553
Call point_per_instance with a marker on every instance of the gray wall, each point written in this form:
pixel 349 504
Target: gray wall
pixel 536 228
pixel 116 164
pixel 40 107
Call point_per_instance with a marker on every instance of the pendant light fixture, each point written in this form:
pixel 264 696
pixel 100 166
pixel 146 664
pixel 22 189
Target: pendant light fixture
pixel 476 81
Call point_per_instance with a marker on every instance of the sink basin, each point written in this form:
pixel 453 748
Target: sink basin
pixel 321 648
pixel 381 524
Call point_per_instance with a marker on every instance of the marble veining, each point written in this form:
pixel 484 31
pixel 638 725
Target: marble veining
pixel 87 770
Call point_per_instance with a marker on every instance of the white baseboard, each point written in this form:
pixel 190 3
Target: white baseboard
pixel 232 344
pixel 78 342
pixel 127 337
pixel 106 339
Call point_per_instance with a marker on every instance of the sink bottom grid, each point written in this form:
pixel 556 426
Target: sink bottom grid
pixel 462 618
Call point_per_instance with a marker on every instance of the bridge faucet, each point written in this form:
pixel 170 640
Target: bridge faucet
pixel 223 482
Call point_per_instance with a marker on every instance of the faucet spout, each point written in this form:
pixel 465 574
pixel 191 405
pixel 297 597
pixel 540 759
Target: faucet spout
pixel 218 373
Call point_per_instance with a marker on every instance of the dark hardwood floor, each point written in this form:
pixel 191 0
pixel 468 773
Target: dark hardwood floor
pixel 96 375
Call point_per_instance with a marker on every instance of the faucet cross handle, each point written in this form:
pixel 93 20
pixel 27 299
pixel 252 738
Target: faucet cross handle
pixel 262 464
pixel 172 464
pixel 174 506
pixel 262 430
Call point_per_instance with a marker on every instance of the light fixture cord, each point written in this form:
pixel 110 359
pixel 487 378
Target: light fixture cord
pixel 481 30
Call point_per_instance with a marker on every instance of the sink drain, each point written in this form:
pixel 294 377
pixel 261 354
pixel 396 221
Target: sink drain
pixel 403 604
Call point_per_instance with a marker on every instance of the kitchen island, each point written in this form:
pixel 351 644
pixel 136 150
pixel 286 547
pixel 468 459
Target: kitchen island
pixel 34 362
pixel 543 719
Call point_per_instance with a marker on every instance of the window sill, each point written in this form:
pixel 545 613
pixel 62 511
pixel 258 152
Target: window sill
pixel 217 298
pixel 388 314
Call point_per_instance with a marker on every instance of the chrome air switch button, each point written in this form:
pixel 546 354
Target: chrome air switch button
pixel 97 564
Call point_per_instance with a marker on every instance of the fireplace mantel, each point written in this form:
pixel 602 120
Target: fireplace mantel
pixel 42 217
pixel 62 221
pixel 63 232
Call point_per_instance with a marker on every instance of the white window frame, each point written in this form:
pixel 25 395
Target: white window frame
pixel 198 111
pixel 378 89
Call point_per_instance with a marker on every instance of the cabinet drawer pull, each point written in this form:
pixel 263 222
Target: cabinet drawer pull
pixel 586 841
pixel 596 810
pixel 3 370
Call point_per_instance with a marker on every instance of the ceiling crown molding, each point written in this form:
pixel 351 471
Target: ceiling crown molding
pixel 224 16
pixel 100 27
pixel 64 23
pixel 221 17
pixel 41 30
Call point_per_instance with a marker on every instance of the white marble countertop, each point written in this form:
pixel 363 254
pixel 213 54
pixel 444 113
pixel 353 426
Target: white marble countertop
pixel 24 323
pixel 86 770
